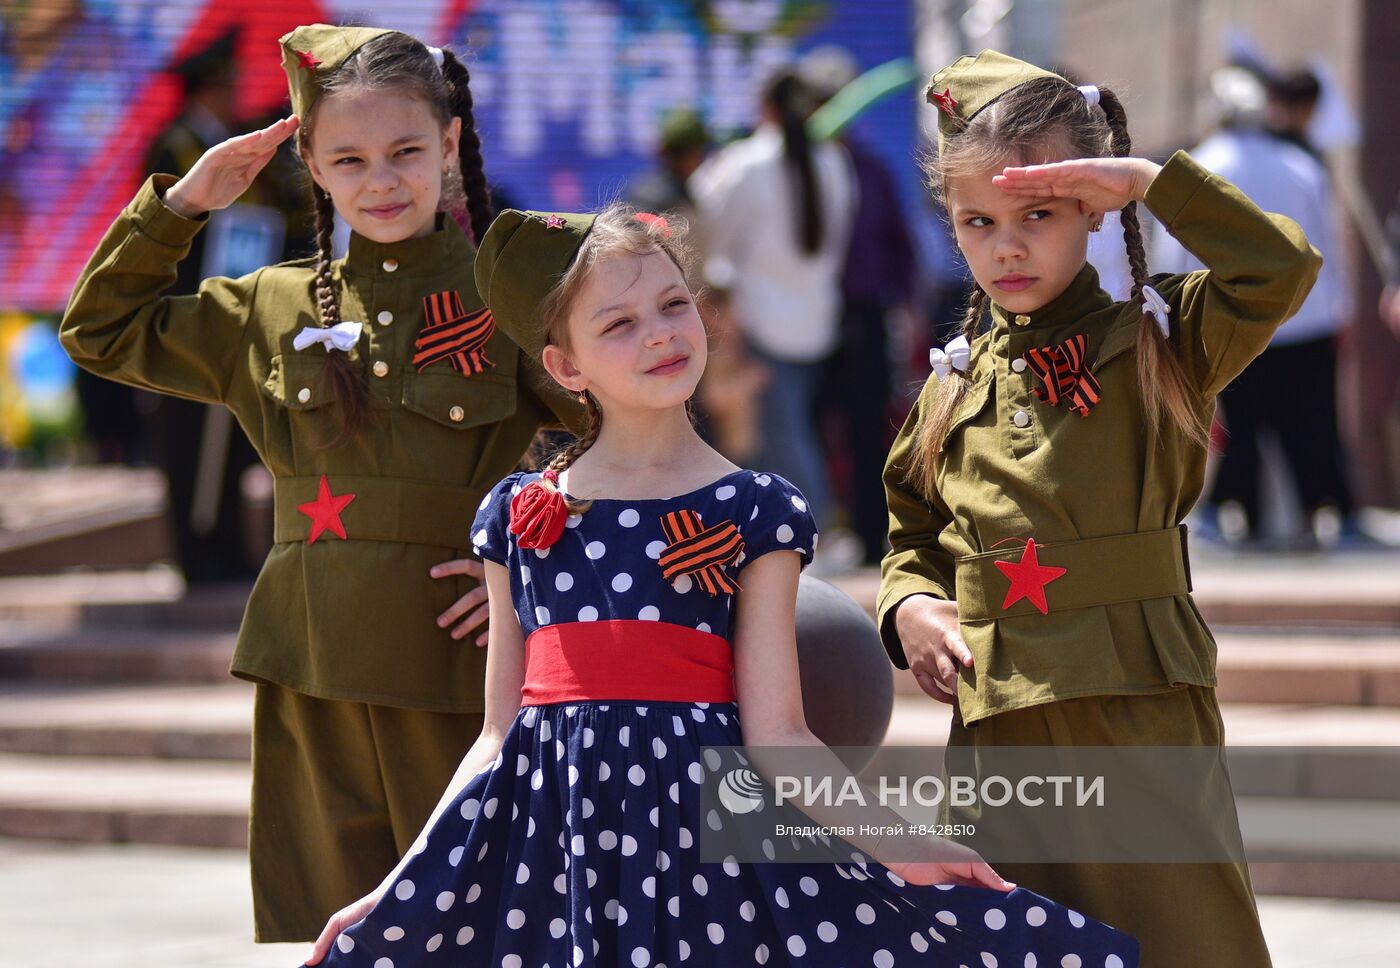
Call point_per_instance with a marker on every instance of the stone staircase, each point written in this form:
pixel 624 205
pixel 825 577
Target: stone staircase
pixel 119 722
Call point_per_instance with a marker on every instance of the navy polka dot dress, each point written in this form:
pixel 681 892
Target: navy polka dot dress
pixel 577 847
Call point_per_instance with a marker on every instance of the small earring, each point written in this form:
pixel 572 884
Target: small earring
pixel 1095 226
pixel 583 397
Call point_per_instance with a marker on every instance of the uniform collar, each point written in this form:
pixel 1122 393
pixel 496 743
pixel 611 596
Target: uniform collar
pixel 1081 297
pixel 426 255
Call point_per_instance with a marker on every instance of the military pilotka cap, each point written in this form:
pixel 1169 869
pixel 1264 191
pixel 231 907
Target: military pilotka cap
pixel 520 260
pixel 311 52
pixel 970 83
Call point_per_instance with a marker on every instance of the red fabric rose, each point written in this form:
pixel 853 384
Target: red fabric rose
pixel 538 514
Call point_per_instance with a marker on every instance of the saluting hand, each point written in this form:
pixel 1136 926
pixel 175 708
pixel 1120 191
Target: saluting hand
pixel 225 171
pixel 1100 184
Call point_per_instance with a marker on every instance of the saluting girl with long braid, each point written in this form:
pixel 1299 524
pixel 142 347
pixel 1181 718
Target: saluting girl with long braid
pixel 385 403
pixel 1038 577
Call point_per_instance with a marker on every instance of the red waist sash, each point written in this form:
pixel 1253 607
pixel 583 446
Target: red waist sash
pixel 632 659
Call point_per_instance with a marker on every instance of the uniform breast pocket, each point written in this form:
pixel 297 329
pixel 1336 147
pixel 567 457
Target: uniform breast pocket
pixel 972 405
pixel 459 402
pixel 298 383
pixel 301 421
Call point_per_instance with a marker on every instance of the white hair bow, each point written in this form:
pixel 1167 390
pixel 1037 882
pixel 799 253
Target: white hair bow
pixel 436 53
pixel 955 355
pixel 1153 303
pixel 341 336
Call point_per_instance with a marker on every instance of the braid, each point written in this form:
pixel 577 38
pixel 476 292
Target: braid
pixel 347 380
pixel 973 317
pixel 327 295
pixel 1137 254
pixel 478 193
pixel 565 456
pixel 1121 145
pixel 1164 387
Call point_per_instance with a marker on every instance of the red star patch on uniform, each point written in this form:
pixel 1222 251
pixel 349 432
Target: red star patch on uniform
pixel 553 222
pixel 307 60
pixel 324 512
pixel 945 101
pixel 1028 579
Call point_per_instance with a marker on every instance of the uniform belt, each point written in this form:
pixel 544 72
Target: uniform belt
pixel 384 509
pixel 1098 571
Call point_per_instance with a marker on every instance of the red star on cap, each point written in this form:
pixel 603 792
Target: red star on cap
pixel 553 222
pixel 307 60
pixel 324 512
pixel 944 101
pixel 1028 578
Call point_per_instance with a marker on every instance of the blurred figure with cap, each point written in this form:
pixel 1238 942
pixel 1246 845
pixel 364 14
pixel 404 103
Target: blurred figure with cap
pixel 1291 389
pixel 684 142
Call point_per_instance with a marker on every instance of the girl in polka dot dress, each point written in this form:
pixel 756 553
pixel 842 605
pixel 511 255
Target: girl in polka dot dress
pixel 642 590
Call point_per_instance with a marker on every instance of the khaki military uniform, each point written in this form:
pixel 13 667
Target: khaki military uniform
pixel 365 707
pixel 1122 656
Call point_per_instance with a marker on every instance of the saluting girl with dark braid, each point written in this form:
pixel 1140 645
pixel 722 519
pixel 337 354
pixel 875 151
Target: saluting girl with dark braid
pixel 1038 577
pixel 385 403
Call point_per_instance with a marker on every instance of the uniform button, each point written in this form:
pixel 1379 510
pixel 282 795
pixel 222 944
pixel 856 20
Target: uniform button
pixel 304 394
pixel 381 368
pixel 390 265
pixel 457 414
pixel 1020 418
pixel 385 317
pixel 1018 364
pixel 1023 320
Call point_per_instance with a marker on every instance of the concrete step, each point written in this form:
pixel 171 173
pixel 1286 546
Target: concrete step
pixel 117 655
pixel 154 598
pixel 109 800
pixel 1297 667
pixel 206 722
pixel 1339 848
pixel 90 517
pixel 1325 670
pixel 1298 752
pixel 96 800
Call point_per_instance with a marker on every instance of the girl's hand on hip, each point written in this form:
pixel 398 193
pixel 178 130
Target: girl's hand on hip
pixel 349 915
pixel 225 171
pixel 932 638
pixel 472 604
pixel 1099 184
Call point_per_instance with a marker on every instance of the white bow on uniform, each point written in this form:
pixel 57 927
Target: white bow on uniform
pixel 341 336
pixel 1153 303
pixel 955 355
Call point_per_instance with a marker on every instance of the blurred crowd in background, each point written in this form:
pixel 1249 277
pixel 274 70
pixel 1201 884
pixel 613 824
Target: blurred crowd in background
pixel 825 273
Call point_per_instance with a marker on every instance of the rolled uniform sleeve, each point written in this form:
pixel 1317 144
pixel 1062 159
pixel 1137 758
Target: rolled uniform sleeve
pixel 916 564
pixel 1259 269
pixel 118 325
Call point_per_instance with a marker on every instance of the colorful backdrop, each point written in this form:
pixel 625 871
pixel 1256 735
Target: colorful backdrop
pixel 568 92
